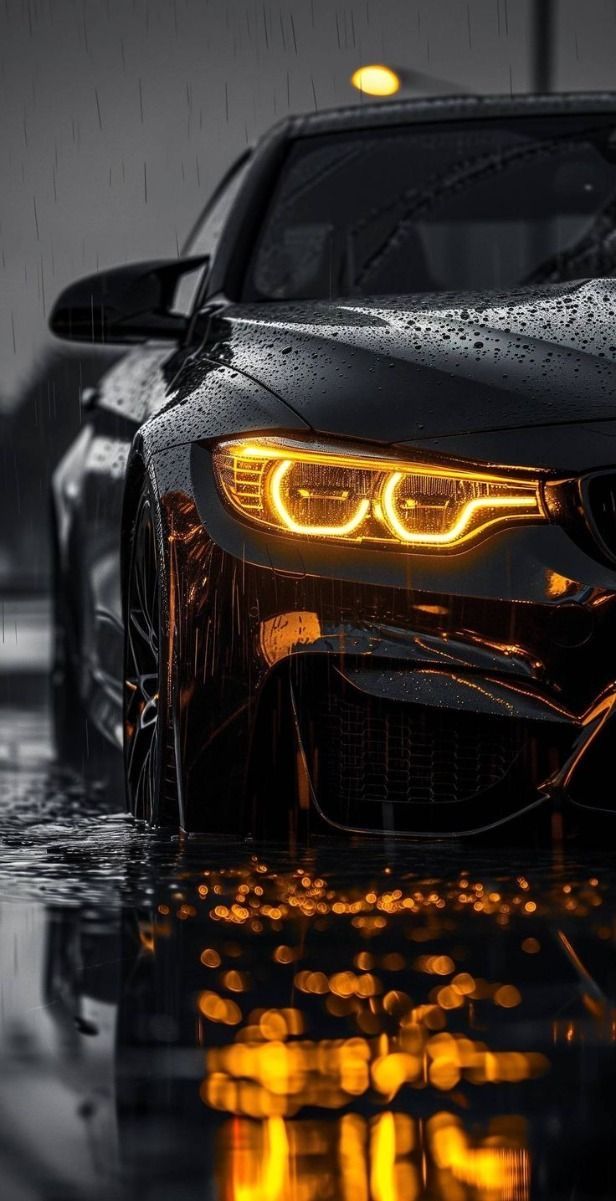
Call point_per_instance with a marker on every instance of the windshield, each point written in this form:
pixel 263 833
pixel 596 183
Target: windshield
pixel 462 206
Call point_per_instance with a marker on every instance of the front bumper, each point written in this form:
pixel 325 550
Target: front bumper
pixel 380 691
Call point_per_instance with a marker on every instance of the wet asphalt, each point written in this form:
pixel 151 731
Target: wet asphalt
pixel 182 1018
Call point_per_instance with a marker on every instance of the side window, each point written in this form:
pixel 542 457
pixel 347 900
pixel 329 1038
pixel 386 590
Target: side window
pixel 205 235
pixel 204 238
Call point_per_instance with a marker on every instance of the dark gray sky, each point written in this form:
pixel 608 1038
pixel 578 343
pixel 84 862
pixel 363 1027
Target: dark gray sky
pixel 118 116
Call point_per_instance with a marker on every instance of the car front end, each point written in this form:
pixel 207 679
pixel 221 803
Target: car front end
pixel 388 636
pixel 381 460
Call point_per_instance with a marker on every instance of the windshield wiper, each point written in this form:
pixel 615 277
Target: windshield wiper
pixel 593 255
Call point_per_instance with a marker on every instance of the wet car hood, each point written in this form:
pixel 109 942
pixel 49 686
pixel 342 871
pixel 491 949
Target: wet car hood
pixel 405 369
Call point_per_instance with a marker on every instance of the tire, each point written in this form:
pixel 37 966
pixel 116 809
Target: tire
pixel 149 741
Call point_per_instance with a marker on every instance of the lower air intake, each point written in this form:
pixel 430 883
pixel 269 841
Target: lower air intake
pixel 378 752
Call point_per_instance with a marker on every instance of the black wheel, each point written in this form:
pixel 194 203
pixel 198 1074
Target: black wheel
pixel 148 728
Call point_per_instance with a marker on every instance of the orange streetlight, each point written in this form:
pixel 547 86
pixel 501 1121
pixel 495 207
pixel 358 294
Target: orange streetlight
pixel 376 80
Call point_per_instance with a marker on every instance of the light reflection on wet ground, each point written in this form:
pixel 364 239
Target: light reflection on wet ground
pixel 187 1019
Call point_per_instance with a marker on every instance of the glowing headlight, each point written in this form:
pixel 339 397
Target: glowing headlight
pixel 320 492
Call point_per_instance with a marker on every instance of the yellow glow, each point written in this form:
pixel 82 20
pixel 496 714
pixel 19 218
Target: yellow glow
pixel 376 80
pixel 261 1171
pixel 315 531
pixel 352 1158
pixel 495 1167
pixel 219 1009
pixel 279 636
pixel 557 585
pixel 363 498
pixel 395 1053
pixel 276 1156
pixel 300 452
pixel 383 1149
pixel 459 531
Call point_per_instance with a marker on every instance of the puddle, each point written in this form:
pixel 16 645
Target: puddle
pixel 368 1023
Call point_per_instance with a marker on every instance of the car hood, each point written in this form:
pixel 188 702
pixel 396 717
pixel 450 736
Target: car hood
pixel 409 369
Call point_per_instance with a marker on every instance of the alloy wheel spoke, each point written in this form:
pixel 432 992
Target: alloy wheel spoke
pixel 140 626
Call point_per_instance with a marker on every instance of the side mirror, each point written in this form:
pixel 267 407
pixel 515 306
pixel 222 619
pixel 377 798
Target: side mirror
pixel 126 304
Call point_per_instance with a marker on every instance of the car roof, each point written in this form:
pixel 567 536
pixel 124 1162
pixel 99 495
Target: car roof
pixel 371 114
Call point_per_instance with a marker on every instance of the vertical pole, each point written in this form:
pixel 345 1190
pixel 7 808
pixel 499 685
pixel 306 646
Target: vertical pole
pixel 544 29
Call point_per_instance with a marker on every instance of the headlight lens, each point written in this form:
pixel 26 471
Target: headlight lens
pixel 315 491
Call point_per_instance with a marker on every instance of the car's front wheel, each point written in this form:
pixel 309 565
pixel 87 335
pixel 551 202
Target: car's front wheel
pixel 149 744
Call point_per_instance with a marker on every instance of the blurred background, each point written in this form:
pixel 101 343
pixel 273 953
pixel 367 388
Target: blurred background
pixel 119 116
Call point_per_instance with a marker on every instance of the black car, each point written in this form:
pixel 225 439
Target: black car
pixel 336 545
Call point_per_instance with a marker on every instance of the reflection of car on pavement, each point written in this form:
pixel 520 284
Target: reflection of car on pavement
pixel 58 1129
pixel 344 1028
pixel 360 473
